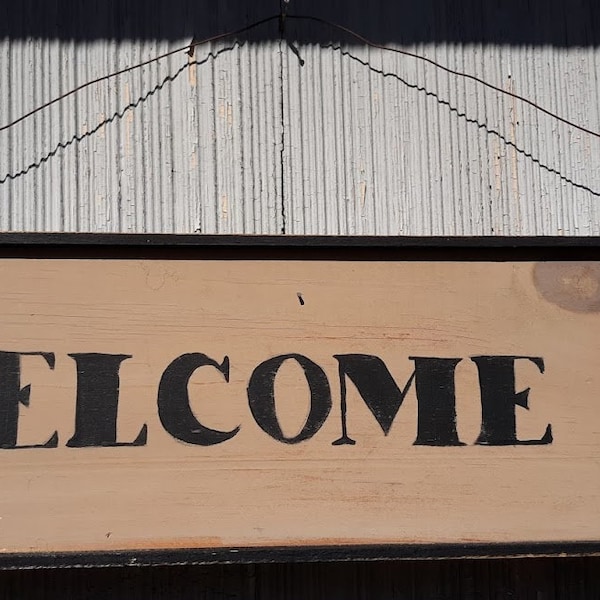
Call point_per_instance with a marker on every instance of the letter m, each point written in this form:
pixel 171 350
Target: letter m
pixel 435 390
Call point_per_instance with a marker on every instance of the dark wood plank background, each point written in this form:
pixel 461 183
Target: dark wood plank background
pixel 527 578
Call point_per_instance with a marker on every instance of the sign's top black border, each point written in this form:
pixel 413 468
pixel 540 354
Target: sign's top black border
pixel 282 241
pixel 294 247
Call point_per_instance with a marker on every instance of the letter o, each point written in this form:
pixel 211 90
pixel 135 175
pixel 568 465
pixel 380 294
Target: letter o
pixel 261 397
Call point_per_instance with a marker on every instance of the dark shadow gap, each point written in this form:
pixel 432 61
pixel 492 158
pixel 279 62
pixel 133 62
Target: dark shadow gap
pixel 560 23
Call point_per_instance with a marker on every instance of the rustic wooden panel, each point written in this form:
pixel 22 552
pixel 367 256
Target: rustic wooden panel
pixel 465 472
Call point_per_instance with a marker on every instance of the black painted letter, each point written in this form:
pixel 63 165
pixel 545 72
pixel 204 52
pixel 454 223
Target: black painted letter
pixel 261 397
pixel 434 382
pixel 499 398
pixel 174 409
pixel 11 395
pixel 98 400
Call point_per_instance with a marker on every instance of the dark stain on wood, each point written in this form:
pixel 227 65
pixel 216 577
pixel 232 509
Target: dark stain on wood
pixel 572 285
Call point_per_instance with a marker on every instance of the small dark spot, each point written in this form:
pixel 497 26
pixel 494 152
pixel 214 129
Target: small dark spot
pixel 108 534
pixel 300 299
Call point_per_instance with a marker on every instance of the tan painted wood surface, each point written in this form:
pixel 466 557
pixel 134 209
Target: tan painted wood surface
pixel 255 491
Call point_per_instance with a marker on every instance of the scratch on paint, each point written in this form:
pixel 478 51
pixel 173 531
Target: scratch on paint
pixel 363 194
pixel 224 206
pixel 513 153
pixel 192 75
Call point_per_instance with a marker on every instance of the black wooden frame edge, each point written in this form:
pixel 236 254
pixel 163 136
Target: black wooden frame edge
pixel 296 554
pixel 283 241
pixel 307 248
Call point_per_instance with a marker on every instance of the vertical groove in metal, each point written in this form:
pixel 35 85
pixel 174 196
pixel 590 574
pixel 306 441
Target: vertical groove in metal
pixel 373 142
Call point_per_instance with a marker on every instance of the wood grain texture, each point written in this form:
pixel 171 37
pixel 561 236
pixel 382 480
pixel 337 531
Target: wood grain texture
pixel 252 490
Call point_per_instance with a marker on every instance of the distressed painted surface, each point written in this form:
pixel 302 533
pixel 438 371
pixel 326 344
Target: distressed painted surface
pixel 241 139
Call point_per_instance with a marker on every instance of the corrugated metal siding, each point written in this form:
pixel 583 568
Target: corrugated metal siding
pixel 242 139
pixel 420 152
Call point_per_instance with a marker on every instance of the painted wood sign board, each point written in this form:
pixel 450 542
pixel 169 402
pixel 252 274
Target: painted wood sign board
pixel 233 402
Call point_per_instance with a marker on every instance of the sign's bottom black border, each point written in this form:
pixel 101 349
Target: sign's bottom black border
pixel 296 554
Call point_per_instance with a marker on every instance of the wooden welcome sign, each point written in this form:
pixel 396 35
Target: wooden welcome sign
pixel 257 398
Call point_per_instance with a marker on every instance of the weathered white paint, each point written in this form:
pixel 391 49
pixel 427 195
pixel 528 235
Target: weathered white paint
pixel 207 147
